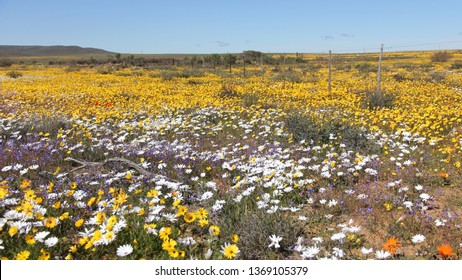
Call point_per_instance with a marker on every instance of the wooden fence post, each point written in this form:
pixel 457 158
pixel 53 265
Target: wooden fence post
pixel 379 69
pixel 261 64
pixel 329 79
pixel 244 62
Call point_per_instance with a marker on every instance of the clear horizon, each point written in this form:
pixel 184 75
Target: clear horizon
pixel 204 27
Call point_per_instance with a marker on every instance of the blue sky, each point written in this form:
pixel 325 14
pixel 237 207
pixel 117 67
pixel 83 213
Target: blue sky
pixel 203 26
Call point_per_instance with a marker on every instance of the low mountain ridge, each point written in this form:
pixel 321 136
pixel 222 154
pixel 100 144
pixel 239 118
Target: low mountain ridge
pixel 12 50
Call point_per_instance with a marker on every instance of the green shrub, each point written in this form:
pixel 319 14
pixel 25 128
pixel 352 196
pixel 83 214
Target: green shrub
pixel 104 71
pixel 45 124
pixel 254 232
pixel 406 65
pixel 343 67
pixel 5 63
pixel 457 64
pixel 366 67
pixel 288 76
pixel 304 127
pixel 51 125
pixel 165 75
pixel 399 77
pixel 130 74
pixel 376 100
pixel 73 69
pixel 228 91
pixel 437 76
pixel 187 73
pixel 249 99
pixel 14 74
pixel 313 68
pixel 192 73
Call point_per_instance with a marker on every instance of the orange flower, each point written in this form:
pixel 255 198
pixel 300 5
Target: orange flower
pixel 444 175
pixel 445 251
pixel 391 245
pixel 25 183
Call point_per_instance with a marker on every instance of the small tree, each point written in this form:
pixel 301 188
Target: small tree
pixel 252 55
pixel 230 60
pixel 118 57
pixel 216 59
pixel 194 60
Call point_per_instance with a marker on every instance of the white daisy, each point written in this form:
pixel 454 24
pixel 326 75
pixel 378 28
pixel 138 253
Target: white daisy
pixel 371 171
pixel 418 238
pixel 206 195
pixel 119 225
pixel 382 254
pixel 187 241
pixel 6 168
pixel 272 209
pixel 50 242
pixel 407 162
pixel 310 252
pixel 338 252
pixel 299 248
pixel 440 223
pixel 317 239
pixel 170 217
pixel 2 222
pixel 17 166
pixel 338 236
pixel 124 250
pixel 274 241
pixel 408 204
pixel 366 251
pixel 425 196
pixel 332 203
pixel 39 236
pixel 208 254
pixel 218 205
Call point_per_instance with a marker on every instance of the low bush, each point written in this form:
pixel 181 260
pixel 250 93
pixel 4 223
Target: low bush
pixel 288 76
pixel 254 232
pixel 457 64
pixel 186 73
pixel 376 100
pixel 249 99
pixel 5 63
pixel 14 74
pixel 228 91
pixel 366 67
pixel 304 127
pixel 441 56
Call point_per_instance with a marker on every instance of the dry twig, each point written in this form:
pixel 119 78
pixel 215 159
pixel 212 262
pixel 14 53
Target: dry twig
pixel 89 164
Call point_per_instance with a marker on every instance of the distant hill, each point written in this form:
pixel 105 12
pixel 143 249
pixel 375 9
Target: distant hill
pixel 9 50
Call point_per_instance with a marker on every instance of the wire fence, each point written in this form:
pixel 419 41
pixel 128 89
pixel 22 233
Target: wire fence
pixel 457 45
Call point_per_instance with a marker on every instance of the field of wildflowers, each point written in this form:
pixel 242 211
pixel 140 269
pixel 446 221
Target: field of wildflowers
pixel 106 163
